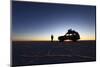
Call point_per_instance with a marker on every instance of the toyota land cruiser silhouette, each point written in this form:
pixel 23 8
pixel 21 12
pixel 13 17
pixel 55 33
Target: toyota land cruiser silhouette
pixel 70 35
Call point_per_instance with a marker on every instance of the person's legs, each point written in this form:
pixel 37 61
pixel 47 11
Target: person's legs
pixel 51 39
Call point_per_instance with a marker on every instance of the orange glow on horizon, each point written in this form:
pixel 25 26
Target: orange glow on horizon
pixel 46 38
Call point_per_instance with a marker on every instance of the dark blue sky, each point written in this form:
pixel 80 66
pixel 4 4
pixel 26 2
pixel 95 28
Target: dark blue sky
pixel 37 21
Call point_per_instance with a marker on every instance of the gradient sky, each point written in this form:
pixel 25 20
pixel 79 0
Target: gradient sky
pixel 37 21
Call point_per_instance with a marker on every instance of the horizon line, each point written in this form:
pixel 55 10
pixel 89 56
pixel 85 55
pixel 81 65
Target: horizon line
pixel 50 40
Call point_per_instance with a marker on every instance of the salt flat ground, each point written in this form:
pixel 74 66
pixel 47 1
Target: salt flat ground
pixel 47 52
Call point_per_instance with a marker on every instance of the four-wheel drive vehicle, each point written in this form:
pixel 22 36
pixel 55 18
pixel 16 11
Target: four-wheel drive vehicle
pixel 70 35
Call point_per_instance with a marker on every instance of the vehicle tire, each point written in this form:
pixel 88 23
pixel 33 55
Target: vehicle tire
pixel 61 40
pixel 74 40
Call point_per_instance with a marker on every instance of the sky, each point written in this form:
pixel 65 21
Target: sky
pixel 38 21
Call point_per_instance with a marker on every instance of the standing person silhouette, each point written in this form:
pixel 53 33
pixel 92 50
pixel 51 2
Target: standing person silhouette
pixel 52 38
